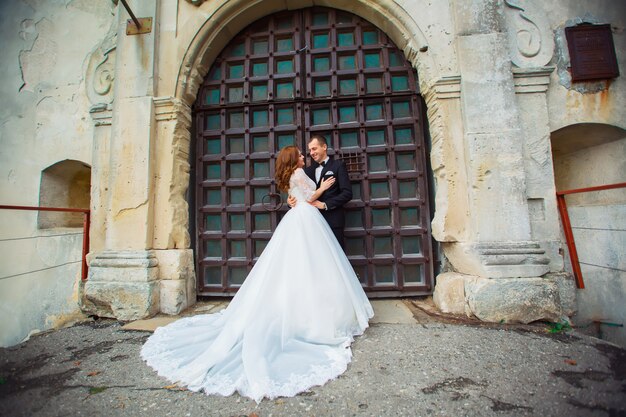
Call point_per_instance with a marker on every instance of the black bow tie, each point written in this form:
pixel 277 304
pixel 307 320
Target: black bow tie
pixel 323 163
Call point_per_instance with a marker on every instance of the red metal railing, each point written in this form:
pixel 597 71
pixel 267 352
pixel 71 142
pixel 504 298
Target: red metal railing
pixel 86 224
pixel 567 226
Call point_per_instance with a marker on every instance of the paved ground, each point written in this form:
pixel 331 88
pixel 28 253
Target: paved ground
pixel 410 362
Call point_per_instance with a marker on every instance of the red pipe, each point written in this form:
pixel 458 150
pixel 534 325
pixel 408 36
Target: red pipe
pixel 86 225
pixel 567 226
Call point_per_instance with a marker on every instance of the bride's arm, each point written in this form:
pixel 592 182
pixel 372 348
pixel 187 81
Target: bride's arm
pixel 324 185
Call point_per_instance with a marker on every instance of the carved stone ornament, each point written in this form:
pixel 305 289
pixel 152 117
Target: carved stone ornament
pixel 530 38
pixel 101 71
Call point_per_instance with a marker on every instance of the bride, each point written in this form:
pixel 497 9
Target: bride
pixel 290 325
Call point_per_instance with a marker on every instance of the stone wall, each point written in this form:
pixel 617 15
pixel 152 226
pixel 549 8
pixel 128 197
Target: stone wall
pixel 44 119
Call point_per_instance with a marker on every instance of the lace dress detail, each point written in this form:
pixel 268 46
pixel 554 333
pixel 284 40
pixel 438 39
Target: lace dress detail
pixel 288 328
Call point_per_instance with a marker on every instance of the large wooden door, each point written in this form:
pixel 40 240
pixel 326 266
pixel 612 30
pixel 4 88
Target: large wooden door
pixel 283 78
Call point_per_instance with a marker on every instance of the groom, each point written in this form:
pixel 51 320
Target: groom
pixel 331 202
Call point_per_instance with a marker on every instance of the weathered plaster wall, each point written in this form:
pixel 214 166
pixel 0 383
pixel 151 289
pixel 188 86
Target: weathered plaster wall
pixel 600 102
pixel 44 119
pixel 598 221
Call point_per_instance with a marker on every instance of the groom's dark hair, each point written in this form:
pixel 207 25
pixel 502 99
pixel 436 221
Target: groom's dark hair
pixel 320 139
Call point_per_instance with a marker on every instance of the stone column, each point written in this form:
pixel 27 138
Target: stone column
pixel 122 280
pixel 499 266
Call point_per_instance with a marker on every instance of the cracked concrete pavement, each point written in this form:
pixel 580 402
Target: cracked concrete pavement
pixel 411 361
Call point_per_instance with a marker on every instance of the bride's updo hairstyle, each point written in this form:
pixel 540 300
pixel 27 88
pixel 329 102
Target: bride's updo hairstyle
pixel 286 164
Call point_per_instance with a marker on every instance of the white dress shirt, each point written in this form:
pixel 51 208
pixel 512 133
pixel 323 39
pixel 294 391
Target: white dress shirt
pixel 318 170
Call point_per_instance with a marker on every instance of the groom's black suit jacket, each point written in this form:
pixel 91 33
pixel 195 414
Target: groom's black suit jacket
pixel 337 195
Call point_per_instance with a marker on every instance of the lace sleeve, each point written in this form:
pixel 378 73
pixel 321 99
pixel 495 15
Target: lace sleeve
pixel 301 185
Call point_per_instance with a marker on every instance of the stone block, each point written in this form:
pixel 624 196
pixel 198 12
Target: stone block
pixel 449 294
pixel 173 296
pixel 513 300
pixel 567 291
pixel 121 300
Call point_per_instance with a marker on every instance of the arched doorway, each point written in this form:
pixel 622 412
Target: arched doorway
pixel 278 81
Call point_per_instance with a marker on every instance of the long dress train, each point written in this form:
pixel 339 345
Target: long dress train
pixel 288 328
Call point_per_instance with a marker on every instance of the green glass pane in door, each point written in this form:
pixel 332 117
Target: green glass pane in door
pixel 381 217
pixel 373 111
pixel 237 248
pixel 348 140
pixel 284 44
pixel 284 90
pixel 345 39
pixel 395 59
pixel 321 63
pixel 261 169
pixel 235 94
pixel 320 40
pixel 347 87
pixel 260 118
pixel 284 116
pixel 321 88
pixel 212 275
pixel 403 135
pixel 379 190
pixel 375 137
pixel 262 221
pixel 213 146
pixel 259 69
pixel 237 275
pixel 238 49
pixel 346 62
pixel 259 246
pixel 405 161
pixel 412 273
pixel 236 144
pixel 235 119
pixel 383 245
pixel 285 140
pixel 213 171
pixel 377 163
pixel 212 249
pixel 237 222
pixel 384 274
pixel 213 197
pixel 212 121
pixel 355 246
pixel 236 170
pixel 409 216
pixel 235 71
pixel 320 19
pixel 407 189
pixel 356 191
pixel 399 83
pixel 372 59
pixel 213 222
pixel 212 96
pixel 237 195
pixel 373 85
pixel 370 37
pixel 354 219
pixel 259 193
pixel 259 92
pixel 347 114
pixel 401 109
pixel 321 116
pixel 216 73
pixel 284 66
pixel 260 47
pixel 411 245
pixel 260 144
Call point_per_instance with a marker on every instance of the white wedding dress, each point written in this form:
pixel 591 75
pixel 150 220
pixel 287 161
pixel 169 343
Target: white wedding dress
pixel 288 328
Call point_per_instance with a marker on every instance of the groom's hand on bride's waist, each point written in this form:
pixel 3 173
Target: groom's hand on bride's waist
pixel 291 201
